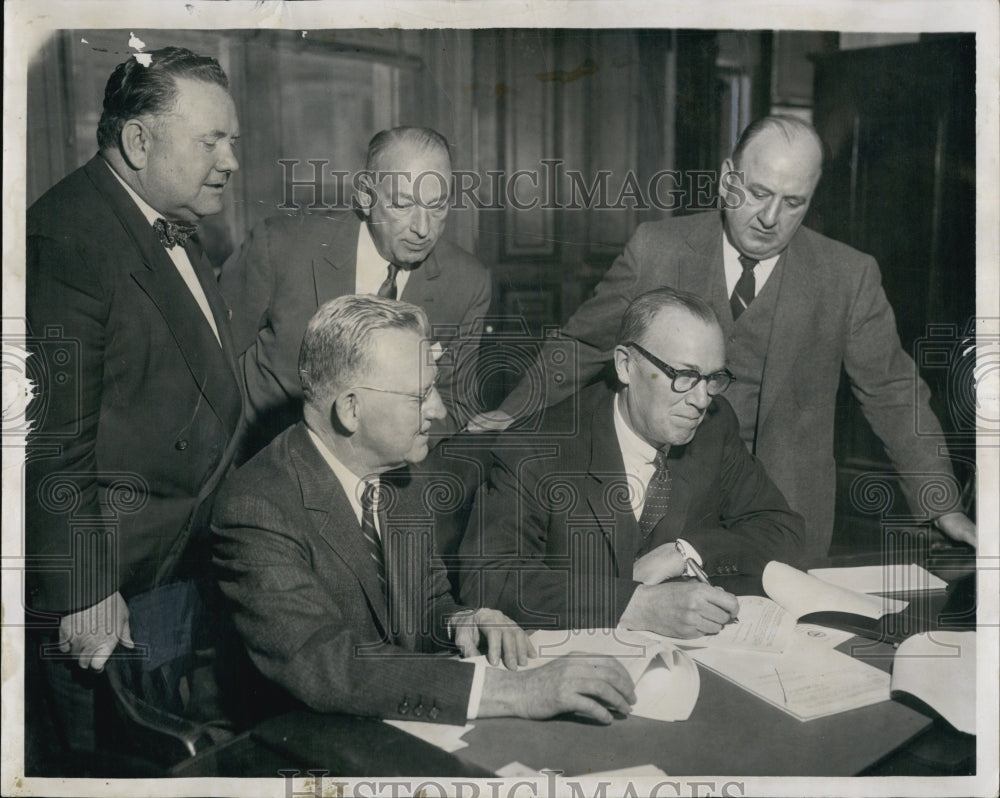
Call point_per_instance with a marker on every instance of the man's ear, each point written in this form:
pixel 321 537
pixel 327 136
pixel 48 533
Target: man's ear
pixel 731 185
pixel 622 360
pixel 136 140
pixel 346 412
pixel 366 194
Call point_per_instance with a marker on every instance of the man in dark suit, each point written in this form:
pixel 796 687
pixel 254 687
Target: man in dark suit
pixel 795 308
pixel 599 528
pixel 125 455
pixel 290 265
pixel 330 572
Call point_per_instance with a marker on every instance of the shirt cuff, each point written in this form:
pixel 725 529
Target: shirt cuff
pixel 690 551
pixel 476 693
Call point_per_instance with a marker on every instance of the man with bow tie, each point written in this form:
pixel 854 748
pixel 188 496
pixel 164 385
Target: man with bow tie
pixel 133 434
pixel 654 495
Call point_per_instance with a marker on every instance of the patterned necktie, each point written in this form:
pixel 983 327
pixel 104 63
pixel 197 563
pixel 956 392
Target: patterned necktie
pixel 657 497
pixel 388 287
pixel 746 288
pixel 370 532
pixel 171 233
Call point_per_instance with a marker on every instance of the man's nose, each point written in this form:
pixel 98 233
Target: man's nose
pixel 420 219
pixel 433 406
pixel 227 160
pixel 698 396
pixel 769 213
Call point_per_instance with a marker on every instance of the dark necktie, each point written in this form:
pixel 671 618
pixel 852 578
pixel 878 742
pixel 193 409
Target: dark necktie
pixel 657 498
pixel 746 288
pixel 388 287
pixel 370 533
pixel 171 233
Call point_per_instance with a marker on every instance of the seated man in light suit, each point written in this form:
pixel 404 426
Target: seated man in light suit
pixel 654 486
pixel 330 573
pixel 392 247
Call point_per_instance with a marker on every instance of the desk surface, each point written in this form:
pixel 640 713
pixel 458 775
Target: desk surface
pixel 730 731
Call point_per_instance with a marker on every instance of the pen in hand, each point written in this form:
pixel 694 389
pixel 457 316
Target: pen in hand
pixel 701 576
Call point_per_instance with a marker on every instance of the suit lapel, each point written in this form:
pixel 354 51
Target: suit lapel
pixel 703 273
pixel 336 522
pixel 420 285
pixel 791 324
pixel 605 488
pixel 211 368
pixel 335 269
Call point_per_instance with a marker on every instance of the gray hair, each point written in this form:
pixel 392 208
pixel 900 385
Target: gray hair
pixel 421 138
pixel 338 346
pixel 646 307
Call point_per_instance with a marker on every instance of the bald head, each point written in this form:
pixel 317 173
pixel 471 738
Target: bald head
pixel 777 164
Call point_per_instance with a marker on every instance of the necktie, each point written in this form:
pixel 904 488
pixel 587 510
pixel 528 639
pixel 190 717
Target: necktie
pixel 657 498
pixel 388 287
pixel 171 233
pixel 371 533
pixel 745 289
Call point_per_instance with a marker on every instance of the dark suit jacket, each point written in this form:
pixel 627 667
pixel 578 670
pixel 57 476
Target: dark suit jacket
pixel 553 537
pixel 138 404
pixel 831 313
pixel 294 568
pixel 290 265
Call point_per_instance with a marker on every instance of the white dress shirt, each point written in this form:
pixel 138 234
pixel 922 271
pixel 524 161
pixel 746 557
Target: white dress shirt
pixel 372 268
pixel 177 255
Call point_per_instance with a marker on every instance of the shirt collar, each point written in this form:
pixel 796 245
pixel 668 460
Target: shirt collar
pixel 637 454
pixel 148 210
pixel 352 484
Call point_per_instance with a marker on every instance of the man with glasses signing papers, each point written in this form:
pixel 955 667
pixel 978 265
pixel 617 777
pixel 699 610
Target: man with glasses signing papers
pixel 621 522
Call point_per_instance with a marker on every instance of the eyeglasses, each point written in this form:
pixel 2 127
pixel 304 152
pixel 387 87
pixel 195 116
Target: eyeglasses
pixel 683 380
pixel 422 398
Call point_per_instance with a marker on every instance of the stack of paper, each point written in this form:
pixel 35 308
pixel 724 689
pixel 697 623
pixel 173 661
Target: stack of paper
pixel 881 578
pixel 939 668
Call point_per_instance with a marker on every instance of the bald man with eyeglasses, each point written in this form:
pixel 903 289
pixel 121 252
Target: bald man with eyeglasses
pixel 653 497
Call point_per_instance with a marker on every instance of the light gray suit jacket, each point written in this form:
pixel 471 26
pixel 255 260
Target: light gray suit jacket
pixel 831 313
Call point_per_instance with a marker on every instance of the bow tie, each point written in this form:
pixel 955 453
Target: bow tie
pixel 171 233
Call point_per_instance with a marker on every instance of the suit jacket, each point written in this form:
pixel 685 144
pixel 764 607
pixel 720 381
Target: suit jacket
pixel 553 538
pixel 290 265
pixel 138 404
pixel 306 601
pixel 831 313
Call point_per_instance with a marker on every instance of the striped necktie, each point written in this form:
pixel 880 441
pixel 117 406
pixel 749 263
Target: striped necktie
pixel 370 532
pixel 746 288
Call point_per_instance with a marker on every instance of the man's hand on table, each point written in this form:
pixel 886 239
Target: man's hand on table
pixel 959 527
pixel 680 609
pixel 91 635
pixel 504 638
pixel 591 686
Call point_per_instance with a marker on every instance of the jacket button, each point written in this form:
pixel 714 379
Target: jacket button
pixel 181 445
pixel 418 710
pixel 433 713
pixel 403 708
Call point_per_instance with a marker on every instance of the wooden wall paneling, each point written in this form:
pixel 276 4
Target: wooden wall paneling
pixel 528 138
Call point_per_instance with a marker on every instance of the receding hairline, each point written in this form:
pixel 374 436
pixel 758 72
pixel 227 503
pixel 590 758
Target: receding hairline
pixel 791 129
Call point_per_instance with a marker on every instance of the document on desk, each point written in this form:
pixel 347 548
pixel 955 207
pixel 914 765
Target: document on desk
pixel 763 626
pixel 939 668
pixel 809 680
pixel 802 594
pixel 666 680
pixel 444 736
pixel 881 578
